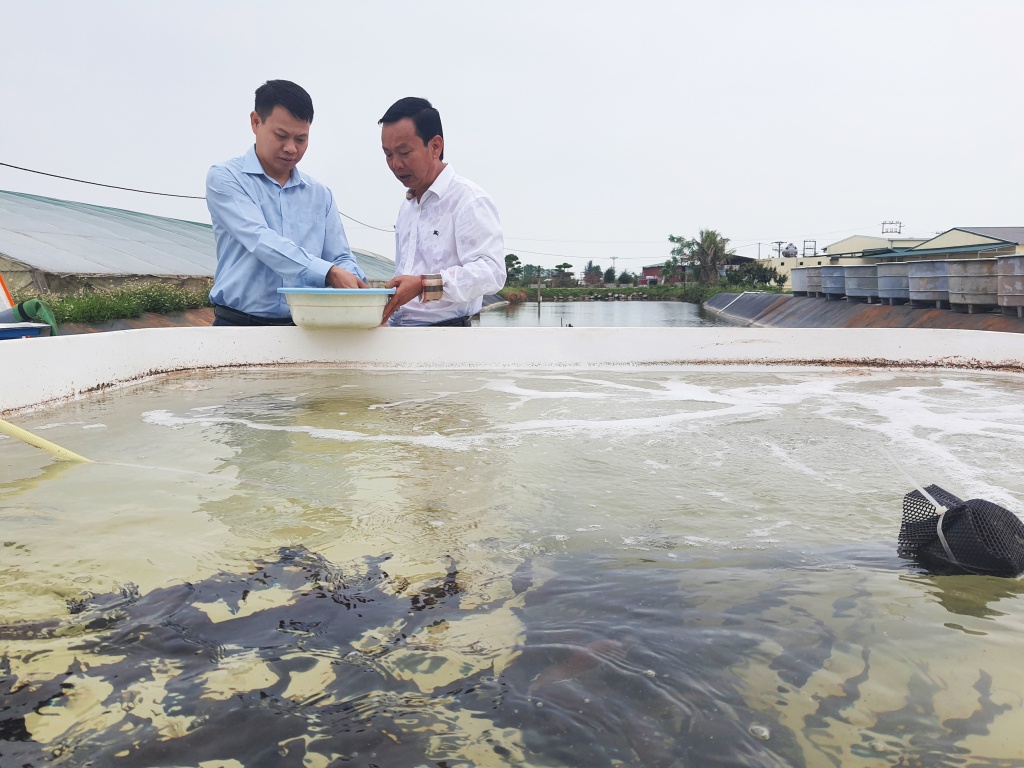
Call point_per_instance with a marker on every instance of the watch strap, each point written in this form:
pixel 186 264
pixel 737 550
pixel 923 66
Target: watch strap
pixel 433 287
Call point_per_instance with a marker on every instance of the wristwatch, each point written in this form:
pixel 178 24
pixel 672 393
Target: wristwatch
pixel 432 287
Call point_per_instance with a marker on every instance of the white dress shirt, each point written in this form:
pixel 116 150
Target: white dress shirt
pixel 452 231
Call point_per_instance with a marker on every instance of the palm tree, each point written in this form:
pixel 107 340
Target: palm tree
pixel 710 251
pixel 672 269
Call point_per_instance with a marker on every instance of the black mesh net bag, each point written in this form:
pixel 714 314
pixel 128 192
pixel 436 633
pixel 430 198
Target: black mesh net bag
pixel 973 536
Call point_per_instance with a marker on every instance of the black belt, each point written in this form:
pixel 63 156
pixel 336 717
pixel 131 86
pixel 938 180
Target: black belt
pixel 237 317
pixel 463 322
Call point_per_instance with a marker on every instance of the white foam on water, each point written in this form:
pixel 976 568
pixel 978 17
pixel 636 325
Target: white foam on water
pixel 792 463
pixel 437 396
pixel 902 417
pixel 916 420
pixel 165 418
pixel 762 532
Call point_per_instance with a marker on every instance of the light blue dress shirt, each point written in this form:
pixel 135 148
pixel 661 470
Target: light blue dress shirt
pixel 271 237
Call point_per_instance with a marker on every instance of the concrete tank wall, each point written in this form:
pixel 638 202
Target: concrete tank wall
pixel 862 281
pixel 1010 281
pixel 893 283
pixel 813 280
pixel 973 282
pixel 928 281
pixel 798 276
pixel 833 281
pixel 68 366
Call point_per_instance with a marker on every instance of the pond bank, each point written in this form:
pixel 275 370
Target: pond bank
pixel 767 310
pixel 693 294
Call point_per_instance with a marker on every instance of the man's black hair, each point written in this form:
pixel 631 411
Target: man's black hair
pixel 423 115
pixel 287 94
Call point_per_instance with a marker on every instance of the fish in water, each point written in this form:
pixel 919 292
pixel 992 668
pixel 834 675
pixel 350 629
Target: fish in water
pixel 287 616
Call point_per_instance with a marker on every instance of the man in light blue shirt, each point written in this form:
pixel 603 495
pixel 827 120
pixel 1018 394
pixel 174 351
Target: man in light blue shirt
pixel 274 225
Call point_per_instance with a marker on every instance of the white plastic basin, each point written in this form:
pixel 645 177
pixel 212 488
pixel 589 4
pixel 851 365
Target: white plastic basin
pixel 332 308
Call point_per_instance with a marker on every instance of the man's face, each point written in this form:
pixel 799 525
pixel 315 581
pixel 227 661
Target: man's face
pixel 409 159
pixel 281 141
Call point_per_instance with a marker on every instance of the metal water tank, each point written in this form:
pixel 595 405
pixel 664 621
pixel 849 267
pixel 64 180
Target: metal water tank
pixel 973 285
pixel 833 282
pixel 789 251
pixel 893 285
pixel 813 281
pixel 1010 281
pixel 862 283
pixel 929 283
pixel 798 281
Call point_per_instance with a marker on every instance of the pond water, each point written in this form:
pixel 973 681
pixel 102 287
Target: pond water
pixel 592 314
pixel 647 567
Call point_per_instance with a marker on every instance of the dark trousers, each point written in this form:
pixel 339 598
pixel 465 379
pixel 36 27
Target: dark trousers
pixel 456 322
pixel 226 316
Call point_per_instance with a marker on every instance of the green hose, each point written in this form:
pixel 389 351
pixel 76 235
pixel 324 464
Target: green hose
pixel 34 310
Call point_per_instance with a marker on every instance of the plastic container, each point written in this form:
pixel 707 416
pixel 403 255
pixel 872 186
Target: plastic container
pixel 319 309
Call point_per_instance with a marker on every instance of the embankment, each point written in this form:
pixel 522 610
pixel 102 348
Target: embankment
pixel 692 293
pixel 772 310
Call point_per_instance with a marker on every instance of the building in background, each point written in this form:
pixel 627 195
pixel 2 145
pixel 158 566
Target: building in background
pixel 59 246
pixel 651 274
pixel 956 243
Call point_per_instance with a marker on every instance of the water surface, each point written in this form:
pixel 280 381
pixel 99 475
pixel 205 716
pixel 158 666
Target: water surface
pixel 594 314
pixel 658 567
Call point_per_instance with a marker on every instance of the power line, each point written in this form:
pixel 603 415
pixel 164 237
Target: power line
pixel 97 184
pixel 162 194
pixel 748 243
pixel 357 221
pixel 592 242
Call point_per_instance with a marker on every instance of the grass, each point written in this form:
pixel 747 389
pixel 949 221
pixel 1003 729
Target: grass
pixel 693 294
pixel 120 303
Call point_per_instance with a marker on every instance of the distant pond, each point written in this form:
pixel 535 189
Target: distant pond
pixel 592 314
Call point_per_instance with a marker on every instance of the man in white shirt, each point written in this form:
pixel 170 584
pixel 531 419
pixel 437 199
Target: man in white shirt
pixel 449 250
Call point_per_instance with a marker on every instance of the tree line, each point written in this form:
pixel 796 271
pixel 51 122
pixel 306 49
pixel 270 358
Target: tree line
pixel 703 260
pixel 519 274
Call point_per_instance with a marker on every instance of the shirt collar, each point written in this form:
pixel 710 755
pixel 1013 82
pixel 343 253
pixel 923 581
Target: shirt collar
pixel 442 182
pixel 252 164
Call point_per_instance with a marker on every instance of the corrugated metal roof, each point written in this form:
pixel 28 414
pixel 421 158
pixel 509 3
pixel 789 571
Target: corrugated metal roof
pixel 374 265
pixel 1010 234
pixel 915 252
pixel 75 238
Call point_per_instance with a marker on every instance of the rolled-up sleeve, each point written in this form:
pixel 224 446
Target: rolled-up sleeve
pixel 336 247
pixel 241 217
pixel 480 245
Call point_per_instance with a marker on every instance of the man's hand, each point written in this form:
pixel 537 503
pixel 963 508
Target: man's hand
pixel 408 288
pixel 340 278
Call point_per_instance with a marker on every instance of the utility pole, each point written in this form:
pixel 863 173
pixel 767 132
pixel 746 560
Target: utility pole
pixel 778 246
pixel 613 267
pixel 538 283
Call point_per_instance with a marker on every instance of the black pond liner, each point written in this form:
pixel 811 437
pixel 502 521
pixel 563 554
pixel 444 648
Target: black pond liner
pixel 980 537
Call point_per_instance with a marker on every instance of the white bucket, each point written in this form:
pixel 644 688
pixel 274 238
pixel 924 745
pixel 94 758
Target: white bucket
pixel 333 308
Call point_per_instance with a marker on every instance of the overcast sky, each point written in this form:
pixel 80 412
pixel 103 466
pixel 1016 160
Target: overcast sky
pixel 585 121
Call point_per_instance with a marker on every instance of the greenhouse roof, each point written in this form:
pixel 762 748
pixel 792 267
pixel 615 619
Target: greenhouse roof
pixel 75 238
